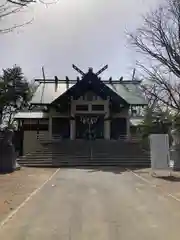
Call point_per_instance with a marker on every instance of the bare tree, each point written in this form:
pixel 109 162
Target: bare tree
pixel 159 40
pixel 9 7
pixel 21 2
pixel 27 2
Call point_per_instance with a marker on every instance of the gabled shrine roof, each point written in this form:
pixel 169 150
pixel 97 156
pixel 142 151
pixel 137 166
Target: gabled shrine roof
pixel 129 91
pixel 46 94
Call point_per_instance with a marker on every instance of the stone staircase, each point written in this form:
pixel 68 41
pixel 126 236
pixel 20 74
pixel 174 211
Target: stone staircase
pixel 85 153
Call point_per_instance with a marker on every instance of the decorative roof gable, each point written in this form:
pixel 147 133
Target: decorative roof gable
pixel 90 81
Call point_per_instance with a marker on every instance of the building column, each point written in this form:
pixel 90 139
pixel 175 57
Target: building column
pixel 128 133
pixel 72 129
pixel 50 128
pixel 107 129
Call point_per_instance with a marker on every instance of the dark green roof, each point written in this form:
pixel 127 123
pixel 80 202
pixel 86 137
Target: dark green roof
pixel 127 91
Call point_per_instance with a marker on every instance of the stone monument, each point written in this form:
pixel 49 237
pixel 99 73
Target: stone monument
pixel 8 161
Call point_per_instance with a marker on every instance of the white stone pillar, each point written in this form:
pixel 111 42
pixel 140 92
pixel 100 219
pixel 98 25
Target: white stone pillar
pixel 50 128
pixel 72 129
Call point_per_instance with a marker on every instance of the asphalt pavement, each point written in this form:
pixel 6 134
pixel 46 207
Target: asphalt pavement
pixel 95 204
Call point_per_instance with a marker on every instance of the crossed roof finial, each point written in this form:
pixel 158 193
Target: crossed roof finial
pixel 90 70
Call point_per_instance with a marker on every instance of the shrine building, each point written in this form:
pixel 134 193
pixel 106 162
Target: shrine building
pixel 87 108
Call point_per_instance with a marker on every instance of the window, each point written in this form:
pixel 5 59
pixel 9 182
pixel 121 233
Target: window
pixel 82 108
pixel 97 107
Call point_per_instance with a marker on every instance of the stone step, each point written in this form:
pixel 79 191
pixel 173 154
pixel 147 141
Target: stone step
pixel 64 164
pixel 89 155
pixel 86 159
pixel 77 153
pixel 90 151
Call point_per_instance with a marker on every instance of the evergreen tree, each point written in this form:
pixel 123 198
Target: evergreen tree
pixel 15 92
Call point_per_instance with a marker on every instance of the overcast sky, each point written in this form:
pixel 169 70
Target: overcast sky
pixel 88 33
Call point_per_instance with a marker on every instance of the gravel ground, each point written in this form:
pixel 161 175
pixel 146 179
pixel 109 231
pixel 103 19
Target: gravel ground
pixel 168 182
pixel 16 187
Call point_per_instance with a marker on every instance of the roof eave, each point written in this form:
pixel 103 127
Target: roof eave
pixel 138 104
pixel 40 104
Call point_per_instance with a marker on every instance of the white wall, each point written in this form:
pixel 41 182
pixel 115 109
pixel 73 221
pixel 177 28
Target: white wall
pixel 31 143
